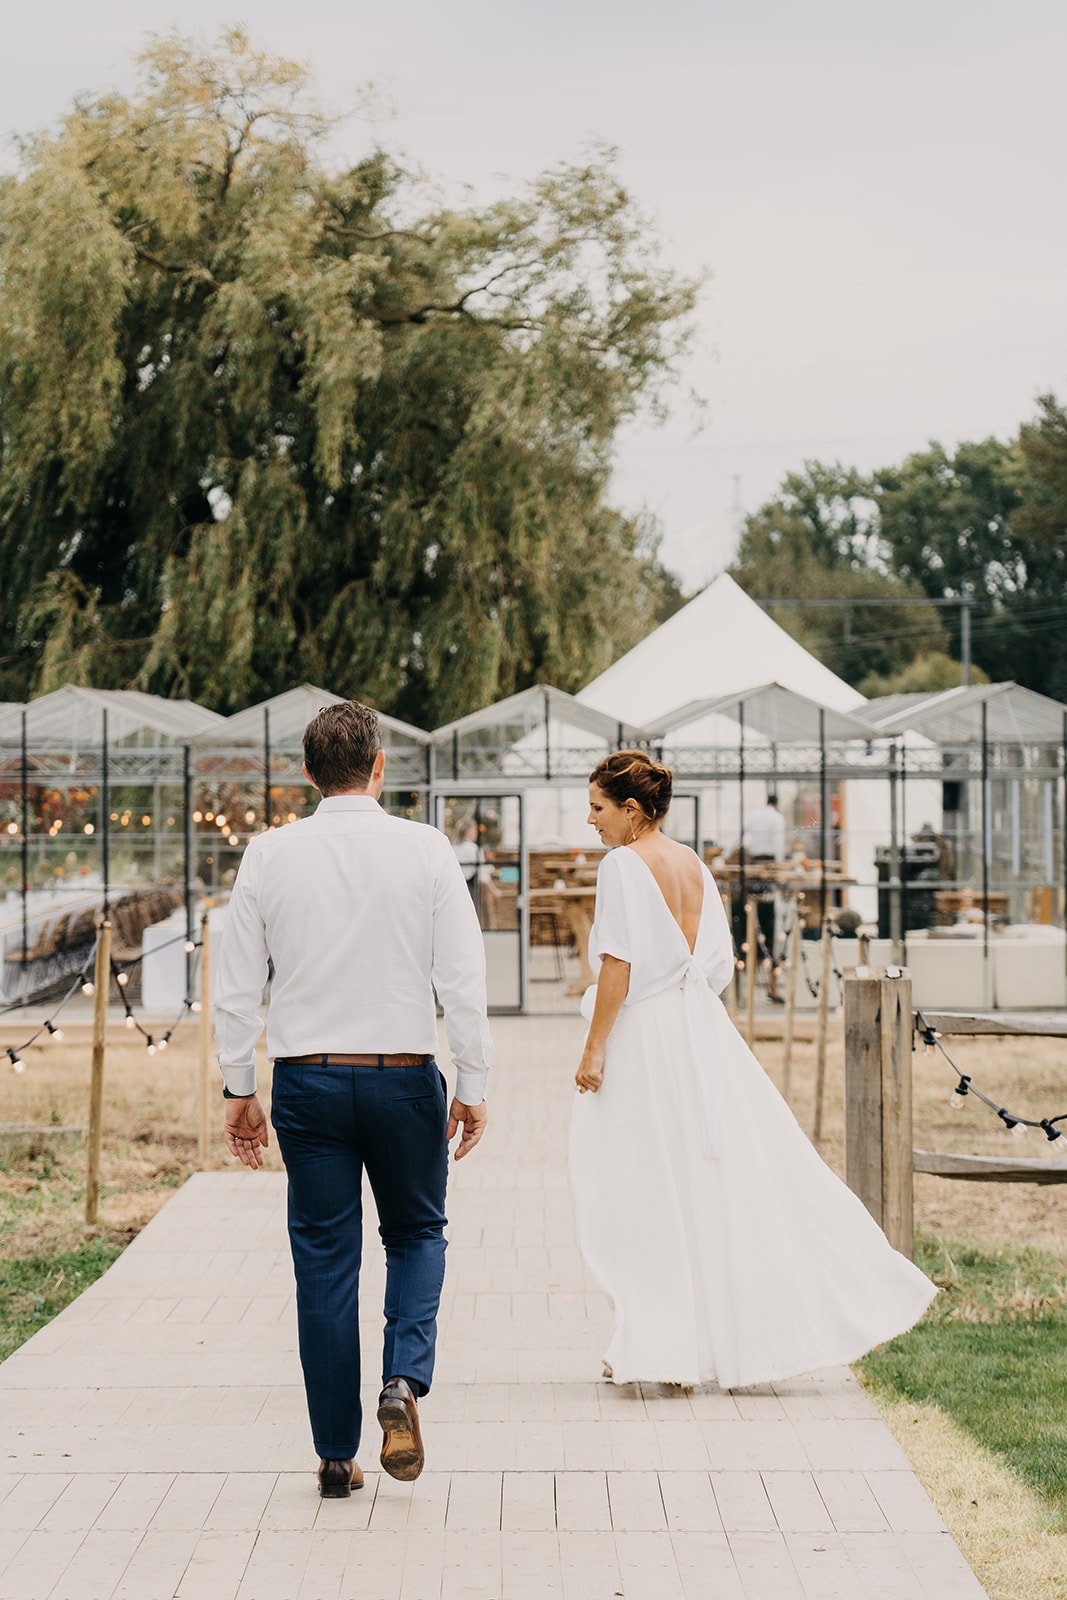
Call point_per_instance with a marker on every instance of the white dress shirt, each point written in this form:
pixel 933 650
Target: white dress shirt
pixel 363 915
pixel 765 834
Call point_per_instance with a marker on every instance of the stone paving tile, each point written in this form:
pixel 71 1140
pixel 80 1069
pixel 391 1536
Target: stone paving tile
pixel 157 1440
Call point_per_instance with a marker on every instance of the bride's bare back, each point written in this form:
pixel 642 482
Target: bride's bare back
pixel 678 872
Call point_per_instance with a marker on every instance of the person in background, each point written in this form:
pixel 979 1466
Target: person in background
pixel 764 840
pixel 469 853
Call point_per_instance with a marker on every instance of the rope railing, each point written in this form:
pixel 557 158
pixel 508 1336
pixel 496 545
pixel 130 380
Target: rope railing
pixel 1014 1123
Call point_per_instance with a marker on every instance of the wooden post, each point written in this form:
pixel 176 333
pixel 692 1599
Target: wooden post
pixel 792 977
pixel 751 969
pixel 878 1131
pixel 822 1019
pixel 206 1076
pixel 101 986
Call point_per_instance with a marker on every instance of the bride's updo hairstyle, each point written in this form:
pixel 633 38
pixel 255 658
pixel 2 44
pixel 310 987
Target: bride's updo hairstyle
pixel 631 775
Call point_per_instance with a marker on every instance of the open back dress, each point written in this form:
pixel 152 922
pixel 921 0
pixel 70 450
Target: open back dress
pixel 731 1252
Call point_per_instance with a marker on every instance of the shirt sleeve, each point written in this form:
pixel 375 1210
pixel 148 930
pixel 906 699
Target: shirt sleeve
pixel 240 979
pixel 459 979
pixel 610 935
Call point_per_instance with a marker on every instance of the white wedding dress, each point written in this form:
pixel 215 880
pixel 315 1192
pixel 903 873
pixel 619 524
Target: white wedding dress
pixel 730 1250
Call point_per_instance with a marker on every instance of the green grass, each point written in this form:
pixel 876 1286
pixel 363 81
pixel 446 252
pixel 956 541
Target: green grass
pixel 36 1288
pixel 992 1353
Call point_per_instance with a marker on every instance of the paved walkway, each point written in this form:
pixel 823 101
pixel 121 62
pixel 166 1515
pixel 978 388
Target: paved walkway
pixel 156 1441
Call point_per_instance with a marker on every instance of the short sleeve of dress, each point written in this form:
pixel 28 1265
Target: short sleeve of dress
pixel 719 963
pixel 610 935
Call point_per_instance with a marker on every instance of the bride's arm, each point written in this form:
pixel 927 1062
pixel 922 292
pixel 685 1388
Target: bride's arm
pixel 611 990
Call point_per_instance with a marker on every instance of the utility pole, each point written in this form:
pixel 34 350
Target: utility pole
pixel 966 599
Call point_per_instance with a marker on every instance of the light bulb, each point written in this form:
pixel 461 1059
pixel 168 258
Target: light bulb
pixel 194 1005
pixel 18 1065
pixel 956 1099
pixel 233 839
pixel 198 816
pixel 250 816
pixel 54 1032
pixel 88 828
pixel 88 987
pixel 189 947
pixel 129 1019
pixel 163 1042
pixel 1019 1129
pixel 151 1047
pixel 122 979
pixel 220 821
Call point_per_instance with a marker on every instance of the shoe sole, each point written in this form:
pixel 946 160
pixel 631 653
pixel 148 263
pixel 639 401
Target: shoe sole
pixel 338 1491
pixel 402 1455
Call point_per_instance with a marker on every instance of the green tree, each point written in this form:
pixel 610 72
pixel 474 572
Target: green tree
pixel 928 673
pixel 263 420
pixel 818 539
pixel 984 520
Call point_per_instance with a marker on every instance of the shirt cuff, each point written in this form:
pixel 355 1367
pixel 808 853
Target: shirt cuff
pixel 239 1080
pixel 470 1085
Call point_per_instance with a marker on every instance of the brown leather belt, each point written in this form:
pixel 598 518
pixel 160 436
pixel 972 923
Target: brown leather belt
pixel 336 1058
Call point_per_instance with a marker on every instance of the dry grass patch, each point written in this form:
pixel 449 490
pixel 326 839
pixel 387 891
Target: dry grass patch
pixel 1001 1526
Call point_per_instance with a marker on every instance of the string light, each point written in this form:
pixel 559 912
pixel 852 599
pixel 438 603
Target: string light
pixel 151 1046
pixel 1017 1125
pixel 122 979
pixel 188 947
pixel 87 987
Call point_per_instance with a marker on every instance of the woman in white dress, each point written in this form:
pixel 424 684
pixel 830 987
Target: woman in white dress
pixel 730 1250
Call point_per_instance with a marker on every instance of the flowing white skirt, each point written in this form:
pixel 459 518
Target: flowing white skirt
pixel 755 1265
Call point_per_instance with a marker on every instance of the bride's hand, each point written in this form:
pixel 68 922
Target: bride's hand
pixel 590 1074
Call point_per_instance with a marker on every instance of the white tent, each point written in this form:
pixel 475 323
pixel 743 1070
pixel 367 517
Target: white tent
pixel 719 643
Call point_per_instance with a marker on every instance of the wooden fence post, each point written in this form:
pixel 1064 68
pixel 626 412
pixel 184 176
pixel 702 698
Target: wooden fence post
pixel 792 977
pixel 878 1131
pixel 751 969
pixel 207 1103
pixel 822 1022
pixel 101 987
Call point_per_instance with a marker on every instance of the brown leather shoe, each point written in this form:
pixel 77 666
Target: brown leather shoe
pixel 402 1454
pixel 337 1479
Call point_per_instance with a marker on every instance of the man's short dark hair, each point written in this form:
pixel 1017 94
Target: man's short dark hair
pixel 772 799
pixel 340 744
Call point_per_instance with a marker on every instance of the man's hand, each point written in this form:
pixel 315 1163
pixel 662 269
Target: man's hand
pixel 590 1074
pixel 246 1130
pixel 473 1118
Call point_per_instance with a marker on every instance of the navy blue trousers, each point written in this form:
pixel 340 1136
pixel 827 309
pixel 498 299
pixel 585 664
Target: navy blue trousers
pixel 333 1122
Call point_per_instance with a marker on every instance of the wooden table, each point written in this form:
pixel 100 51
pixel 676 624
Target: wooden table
pixel 576 904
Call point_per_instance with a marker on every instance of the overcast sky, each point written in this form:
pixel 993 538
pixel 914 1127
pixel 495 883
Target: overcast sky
pixel 877 190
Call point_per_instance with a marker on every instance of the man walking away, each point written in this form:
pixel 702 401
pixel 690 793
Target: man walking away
pixel 363 915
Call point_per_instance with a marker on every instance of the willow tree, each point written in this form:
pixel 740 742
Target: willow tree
pixel 264 419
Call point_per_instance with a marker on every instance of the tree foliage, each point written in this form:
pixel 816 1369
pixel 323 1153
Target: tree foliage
pixel 987 520
pixel 817 539
pixel 262 420
pixel 928 673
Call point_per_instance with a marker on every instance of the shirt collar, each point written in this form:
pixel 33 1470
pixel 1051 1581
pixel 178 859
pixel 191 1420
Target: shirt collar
pixel 348 802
